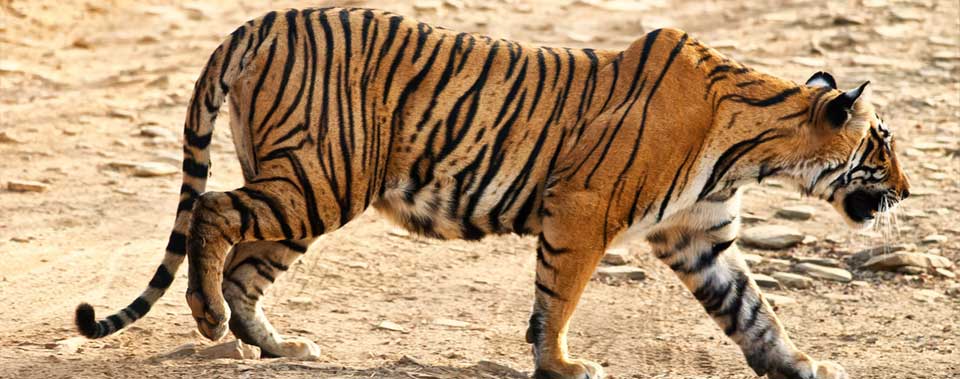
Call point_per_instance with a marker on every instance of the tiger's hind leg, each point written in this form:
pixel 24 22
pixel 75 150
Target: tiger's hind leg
pixel 263 211
pixel 250 269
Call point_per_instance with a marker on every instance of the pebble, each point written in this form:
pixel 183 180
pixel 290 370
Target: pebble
pixel 451 323
pixel 751 218
pixel 934 238
pixel 945 273
pixel 156 131
pixel 392 326
pixel 778 264
pixel 154 169
pixel 860 284
pixel 617 256
pixel 796 212
pixel 791 280
pixel 868 253
pixel 26 186
pixel 771 236
pixel 911 270
pixel 829 262
pixel 68 346
pixel 927 296
pixel 621 272
pixel 765 281
pixel 8 138
pixel 778 300
pixel 823 272
pixel 231 350
pixel 896 260
pixel 300 300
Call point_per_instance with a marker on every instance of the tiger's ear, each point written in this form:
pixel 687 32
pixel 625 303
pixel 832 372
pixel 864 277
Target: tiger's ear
pixel 822 79
pixel 838 110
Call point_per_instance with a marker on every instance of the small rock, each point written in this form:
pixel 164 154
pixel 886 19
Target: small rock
pixel 617 256
pixel 397 231
pixel 894 261
pixel 778 264
pixel 841 20
pixel 809 240
pixel 451 323
pixel 231 350
pixel 945 273
pixel 927 296
pixel 156 131
pixel 778 300
pixel 771 236
pixel 829 262
pixel 796 212
pixel 26 186
pixel 427 5
pixel 765 281
pixel 752 218
pixel 7 138
pixel 860 284
pixel 300 300
pixel 154 169
pixel 752 259
pixel 866 254
pixel 392 326
pixel 822 272
pixel 621 272
pixel 934 238
pixel 791 280
pixel 68 346
pixel 178 352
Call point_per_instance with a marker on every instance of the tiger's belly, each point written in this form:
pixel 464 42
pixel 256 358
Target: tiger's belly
pixel 460 207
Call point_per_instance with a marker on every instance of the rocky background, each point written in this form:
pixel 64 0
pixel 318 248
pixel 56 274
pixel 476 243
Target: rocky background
pixel 92 98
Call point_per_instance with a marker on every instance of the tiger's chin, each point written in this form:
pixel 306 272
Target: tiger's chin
pixel 861 208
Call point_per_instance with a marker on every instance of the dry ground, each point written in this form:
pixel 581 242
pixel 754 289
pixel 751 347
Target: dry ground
pixel 79 79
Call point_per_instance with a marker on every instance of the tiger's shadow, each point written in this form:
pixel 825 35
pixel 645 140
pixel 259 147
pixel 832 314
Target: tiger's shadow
pixel 404 368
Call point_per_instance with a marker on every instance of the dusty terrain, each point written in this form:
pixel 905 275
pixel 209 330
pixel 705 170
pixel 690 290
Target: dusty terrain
pixel 83 84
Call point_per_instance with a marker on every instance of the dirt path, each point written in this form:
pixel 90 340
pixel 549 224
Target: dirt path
pixel 81 82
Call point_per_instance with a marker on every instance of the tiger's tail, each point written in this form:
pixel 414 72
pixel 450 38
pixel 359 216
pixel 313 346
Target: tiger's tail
pixel 224 66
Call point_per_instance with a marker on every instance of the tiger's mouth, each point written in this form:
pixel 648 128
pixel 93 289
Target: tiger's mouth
pixel 862 206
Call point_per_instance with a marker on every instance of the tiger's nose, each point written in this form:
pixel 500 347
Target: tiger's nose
pixel 904 193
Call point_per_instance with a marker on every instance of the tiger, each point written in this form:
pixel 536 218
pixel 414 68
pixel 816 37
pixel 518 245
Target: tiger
pixel 460 136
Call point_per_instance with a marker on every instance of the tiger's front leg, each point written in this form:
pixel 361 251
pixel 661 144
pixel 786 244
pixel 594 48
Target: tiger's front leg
pixel 709 264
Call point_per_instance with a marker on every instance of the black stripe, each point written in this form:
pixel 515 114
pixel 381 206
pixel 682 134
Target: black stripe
pixel 195 140
pixel 548 291
pixel 195 169
pixel 161 279
pixel 550 248
pixel 275 208
pixel 177 243
pixel 673 184
pixel 730 157
pixel 141 306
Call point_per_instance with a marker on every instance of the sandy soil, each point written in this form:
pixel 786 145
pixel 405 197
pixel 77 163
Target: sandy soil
pixel 80 80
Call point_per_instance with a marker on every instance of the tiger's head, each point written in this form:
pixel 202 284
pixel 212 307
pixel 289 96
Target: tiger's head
pixel 848 153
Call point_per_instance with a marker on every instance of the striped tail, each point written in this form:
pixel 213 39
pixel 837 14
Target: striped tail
pixel 223 67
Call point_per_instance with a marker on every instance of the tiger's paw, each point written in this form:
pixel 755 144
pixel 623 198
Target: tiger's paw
pixel 830 370
pixel 299 348
pixel 572 369
pixel 211 317
pixel 810 369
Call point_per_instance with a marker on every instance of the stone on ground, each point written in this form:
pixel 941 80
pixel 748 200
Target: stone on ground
pixel 392 326
pixel 751 259
pixel 178 352
pixel 891 262
pixel 771 236
pixel 621 272
pixel 231 350
pixel 791 280
pixel 778 300
pixel 765 281
pixel 829 262
pixel 152 169
pixel 934 238
pixel 823 272
pixel 796 212
pixel 26 186
pixel 617 256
